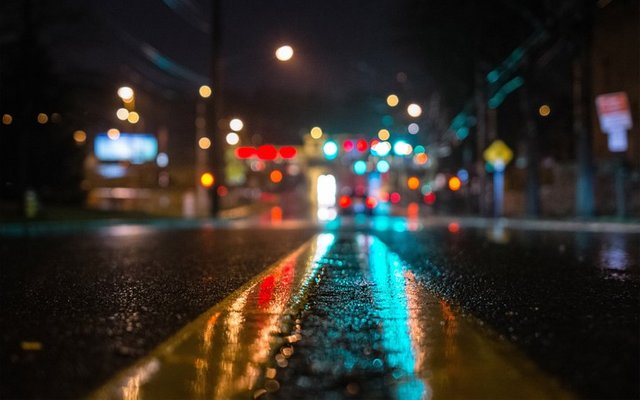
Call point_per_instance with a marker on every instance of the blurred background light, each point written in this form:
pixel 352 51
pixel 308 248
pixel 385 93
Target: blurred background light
pixel 414 110
pixel 205 91
pixel 232 138
pixel 330 149
pixel 392 100
pixel 204 143
pixel 383 166
pixel 284 53
pixel 360 167
pixel 413 128
pixel 236 124
pixel 316 132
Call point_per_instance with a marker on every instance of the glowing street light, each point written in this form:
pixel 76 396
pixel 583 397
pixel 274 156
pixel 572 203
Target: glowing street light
pixel 204 143
pixel 236 124
pixel 392 100
pixel 414 110
pixel 232 138
pixel 122 114
pixel 125 93
pixel 316 132
pixel 205 91
pixel 284 53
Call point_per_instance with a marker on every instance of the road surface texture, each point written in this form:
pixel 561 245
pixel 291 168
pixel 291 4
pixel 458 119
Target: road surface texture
pixel 390 308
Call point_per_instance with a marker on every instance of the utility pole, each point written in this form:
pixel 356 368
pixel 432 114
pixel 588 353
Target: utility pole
pixel 533 176
pixel 581 115
pixel 215 106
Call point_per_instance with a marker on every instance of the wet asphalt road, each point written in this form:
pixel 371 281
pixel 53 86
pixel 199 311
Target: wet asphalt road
pixel 98 301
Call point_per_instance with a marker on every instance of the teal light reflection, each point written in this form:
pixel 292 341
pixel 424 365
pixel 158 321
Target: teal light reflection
pixel 387 270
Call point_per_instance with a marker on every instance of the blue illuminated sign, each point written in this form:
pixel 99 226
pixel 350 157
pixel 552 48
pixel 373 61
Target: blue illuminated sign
pixel 137 148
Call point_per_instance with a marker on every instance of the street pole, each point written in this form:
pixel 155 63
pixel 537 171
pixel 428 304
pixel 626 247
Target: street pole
pixel 581 118
pixel 215 106
pixel 498 189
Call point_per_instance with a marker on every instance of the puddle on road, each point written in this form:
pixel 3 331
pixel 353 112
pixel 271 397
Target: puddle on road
pixel 335 319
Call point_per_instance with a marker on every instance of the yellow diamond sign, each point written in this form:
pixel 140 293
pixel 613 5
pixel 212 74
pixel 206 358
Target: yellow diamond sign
pixel 498 153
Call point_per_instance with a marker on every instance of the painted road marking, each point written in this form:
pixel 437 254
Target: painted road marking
pixel 423 347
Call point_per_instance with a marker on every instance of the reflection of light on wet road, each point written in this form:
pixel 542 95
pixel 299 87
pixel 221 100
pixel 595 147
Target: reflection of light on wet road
pixel 391 300
pixel 227 352
pixel 613 253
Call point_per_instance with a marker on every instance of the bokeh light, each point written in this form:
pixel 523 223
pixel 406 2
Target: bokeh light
pixel 414 110
pixel 42 118
pixel 204 143
pixel 275 176
pixel 7 119
pixel 413 128
pixel 205 91
pixel 330 149
pixel 207 179
pixel 125 93
pixel 383 134
pixel 392 100
pixel 133 117
pixel 383 166
pixel 413 183
pixel 122 114
pixel 454 183
pixel 544 110
pixel 236 124
pixel 80 136
pixel 316 132
pixel 113 134
pixel 232 138
pixel 284 53
pixel 360 167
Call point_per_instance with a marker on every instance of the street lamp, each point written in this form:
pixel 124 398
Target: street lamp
pixel 284 53
pixel 414 110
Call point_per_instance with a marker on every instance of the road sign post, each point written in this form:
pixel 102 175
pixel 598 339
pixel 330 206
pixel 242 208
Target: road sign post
pixel 498 154
pixel 614 116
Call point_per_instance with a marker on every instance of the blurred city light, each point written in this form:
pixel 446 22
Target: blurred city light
pixel 413 183
pixel 421 158
pixel 232 138
pixel 463 174
pixel 205 91
pixel 122 114
pixel 236 124
pixel 395 197
pixel 133 117
pixel 125 93
pixel 454 183
pixel 413 128
pixel 42 118
pixel 284 53
pixel 381 149
pixel 426 188
pixel 430 198
pixel 7 119
pixel 316 132
pixel 345 201
pixel 330 149
pixel 204 143
pixel 392 100
pixel 360 167
pixel 383 166
pixel 80 136
pixel 362 145
pixel 371 202
pixel 267 152
pixel 287 152
pixel 245 152
pixel 348 145
pixel 113 134
pixel 383 134
pixel 414 110
pixel 275 176
pixel 544 110
pixel 207 180
pixel 402 148
pixel 162 160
